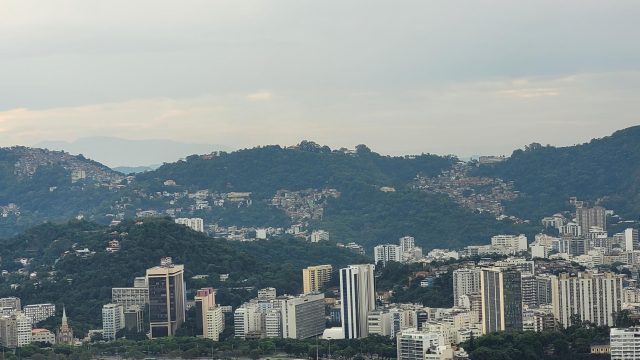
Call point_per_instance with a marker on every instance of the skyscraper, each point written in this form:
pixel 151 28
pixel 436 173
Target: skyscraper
pixel 358 297
pixel 501 291
pixel 593 297
pixel 465 282
pixel 315 277
pixel 166 298
pixel 588 217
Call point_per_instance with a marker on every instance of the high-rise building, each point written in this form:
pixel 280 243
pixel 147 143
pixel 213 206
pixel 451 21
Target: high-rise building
pixel 267 294
pixel 465 281
pixel 593 297
pixel 588 217
pixel 631 241
pixel 112 320
pixel 387 252
pixel 209 316
pixel 214 323
pixel 196 224
pixel 501 291
pixel 15 330
pixel 302 316
pixel 358 298
pixel 625 343
pixel 315 277
pixel 166 298
pixel 407 243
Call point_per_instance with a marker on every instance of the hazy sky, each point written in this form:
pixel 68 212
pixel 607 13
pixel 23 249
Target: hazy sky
pixel 463 77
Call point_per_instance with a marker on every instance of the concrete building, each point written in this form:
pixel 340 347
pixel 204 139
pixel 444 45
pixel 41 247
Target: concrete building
pixel 379 322
pixel 209 316
pixel 166 298
pixel 594 297
pixel 510 243
pixel 134 318
pixel 302 316
pixel 625 343
pixel 15 330
pixel 214 325
pixel 387 252
pixel 39 312
pixel 10 302
pixel 501 292
pixel 588 217
pixel 314 278
pixel 415 345
pixel 196 224
pixel 130 296
pixel 112 320
pixel 358 298
pixel 319 235
pixel 267 294
pixel 465 282
pixel 42 336
pixel 631 241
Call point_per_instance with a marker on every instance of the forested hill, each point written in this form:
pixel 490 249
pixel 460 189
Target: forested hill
pixel 65 273
pixel 264 170
pixel 605 170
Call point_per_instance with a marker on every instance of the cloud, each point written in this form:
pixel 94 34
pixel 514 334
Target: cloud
pixel 474 117
pixel 260 96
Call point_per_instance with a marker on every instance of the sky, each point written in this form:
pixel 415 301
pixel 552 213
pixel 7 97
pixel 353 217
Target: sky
pixel 447 77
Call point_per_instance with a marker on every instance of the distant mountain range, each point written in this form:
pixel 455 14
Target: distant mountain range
pixel 38 185
pixel 118 152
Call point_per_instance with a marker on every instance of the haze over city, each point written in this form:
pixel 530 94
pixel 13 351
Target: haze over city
pixel 467 78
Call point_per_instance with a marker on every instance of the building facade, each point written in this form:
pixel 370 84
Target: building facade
pixel 112 320
pixel 166 298
pixel 314 278
pixel 358 298
pixel 501 293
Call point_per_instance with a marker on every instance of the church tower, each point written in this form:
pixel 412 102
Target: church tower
pixel 65 332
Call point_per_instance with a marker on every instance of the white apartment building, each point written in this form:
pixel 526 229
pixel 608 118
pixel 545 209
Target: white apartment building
pixel 594 297
pixel 465 282
pixel 387 252
pixel 39 312
pixel 511 244
pixel 319 235
pixel 415 345
pixel 196 224
pixel 302 316
pixel 625 343
pixel 112 320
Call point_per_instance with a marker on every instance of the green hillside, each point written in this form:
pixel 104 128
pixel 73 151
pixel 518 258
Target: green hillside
pixel 605 169
pixel 84 284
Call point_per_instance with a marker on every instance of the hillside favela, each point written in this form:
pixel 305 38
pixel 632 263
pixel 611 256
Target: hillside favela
pixel 349 180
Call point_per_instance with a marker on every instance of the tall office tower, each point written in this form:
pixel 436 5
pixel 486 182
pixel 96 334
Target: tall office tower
pixel 414 344
pixel 543 290
pixel 588 217
pixel 631 241
pixel 166 298
pixel 625 343
pixel 209 316
pixel 593 297
pixel 112 320
pixel 315 277
pixel 465 282
pixel 303 316
pixel 501 291
pixel 205 298
pixel 358 297
pixel 387 252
